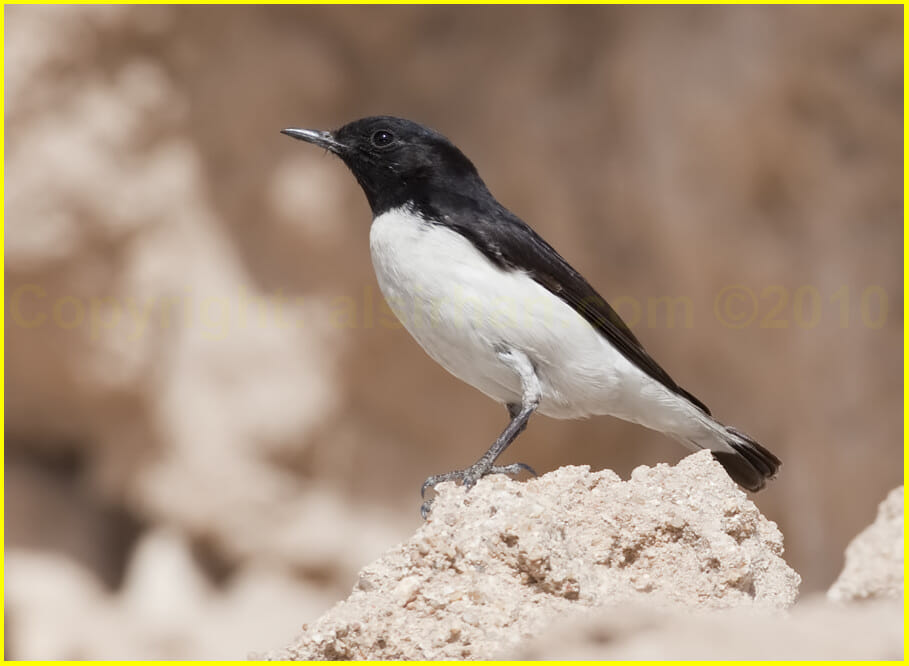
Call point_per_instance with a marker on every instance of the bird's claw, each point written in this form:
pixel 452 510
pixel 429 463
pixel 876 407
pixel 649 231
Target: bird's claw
pixel 514 468
pixel 436 479
pixel 468 478
pixel 424 509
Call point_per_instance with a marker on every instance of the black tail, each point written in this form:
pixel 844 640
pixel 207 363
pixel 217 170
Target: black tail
pixel 748 463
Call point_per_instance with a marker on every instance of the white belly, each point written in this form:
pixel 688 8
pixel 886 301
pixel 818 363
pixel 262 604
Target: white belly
pixel 461 309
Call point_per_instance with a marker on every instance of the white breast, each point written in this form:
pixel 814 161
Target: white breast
pixel 461 308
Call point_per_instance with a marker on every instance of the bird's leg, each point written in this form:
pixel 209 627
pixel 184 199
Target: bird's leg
pixel 520 415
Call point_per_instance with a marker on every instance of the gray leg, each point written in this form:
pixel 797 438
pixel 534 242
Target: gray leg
pixel 520 415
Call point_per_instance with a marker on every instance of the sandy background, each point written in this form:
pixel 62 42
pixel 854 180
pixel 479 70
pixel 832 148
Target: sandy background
pixel 211 422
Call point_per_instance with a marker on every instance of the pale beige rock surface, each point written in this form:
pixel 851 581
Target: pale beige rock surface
pixel 495 566
pixel 874 559
pixel 166 608
pixel 813 629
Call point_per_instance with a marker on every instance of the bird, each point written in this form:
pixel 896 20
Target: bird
pixel 499 308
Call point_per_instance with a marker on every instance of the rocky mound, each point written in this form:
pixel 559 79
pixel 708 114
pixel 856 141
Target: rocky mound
pixel 492 568
pixel 874 559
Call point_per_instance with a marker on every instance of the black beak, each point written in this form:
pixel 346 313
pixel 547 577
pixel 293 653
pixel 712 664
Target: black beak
pixel 318 137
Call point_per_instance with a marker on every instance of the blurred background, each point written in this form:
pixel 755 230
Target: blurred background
pixel 211 420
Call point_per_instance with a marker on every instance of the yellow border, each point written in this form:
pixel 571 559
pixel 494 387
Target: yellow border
pixel 2 331
pixel 905 303
pixel 468 2
pixel 360 2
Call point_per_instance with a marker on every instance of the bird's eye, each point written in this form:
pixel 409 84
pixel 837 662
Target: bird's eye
pixel 382 138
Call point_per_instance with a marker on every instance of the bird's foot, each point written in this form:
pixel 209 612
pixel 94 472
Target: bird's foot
pixel 468 478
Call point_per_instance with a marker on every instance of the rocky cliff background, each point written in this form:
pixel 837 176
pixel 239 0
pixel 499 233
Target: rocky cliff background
pixel 212 422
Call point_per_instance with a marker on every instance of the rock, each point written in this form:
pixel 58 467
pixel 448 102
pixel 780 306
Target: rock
pixel 813 629
pixel 495 566
pixel 874 559
pixel 167 609
pixel 142 345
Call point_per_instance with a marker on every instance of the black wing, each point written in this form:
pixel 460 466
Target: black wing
pixel 509 242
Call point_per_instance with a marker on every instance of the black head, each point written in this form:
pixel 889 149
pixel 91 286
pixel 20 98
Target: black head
pixel 398 161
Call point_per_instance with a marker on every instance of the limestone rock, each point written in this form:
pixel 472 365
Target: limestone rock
pixel 495 566
pixel 874 559
pixel 813 629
